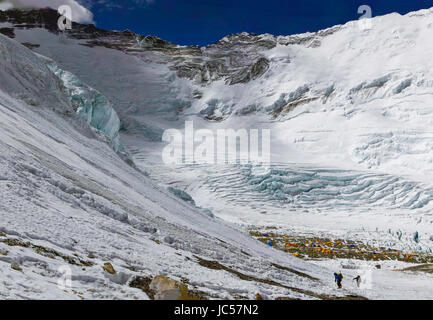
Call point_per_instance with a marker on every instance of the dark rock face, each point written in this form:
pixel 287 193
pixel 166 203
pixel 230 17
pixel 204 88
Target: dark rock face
pixel 250 73
pixel 154 42
pixel 259 68
pixel 242 57
pixel 9 32
pixel 234 59
pixel 246 41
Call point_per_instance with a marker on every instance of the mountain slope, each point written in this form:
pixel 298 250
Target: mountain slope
pixel 69 199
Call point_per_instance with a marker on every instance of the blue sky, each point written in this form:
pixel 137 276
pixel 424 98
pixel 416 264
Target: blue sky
pixel 203 22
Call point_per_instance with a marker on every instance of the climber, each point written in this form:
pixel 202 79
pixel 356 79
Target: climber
pixel 338 279
pixel 358 281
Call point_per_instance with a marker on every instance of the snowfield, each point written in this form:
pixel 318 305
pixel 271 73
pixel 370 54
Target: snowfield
pixel 82 182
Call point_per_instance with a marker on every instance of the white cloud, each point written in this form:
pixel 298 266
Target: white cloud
pixel 5 5
pixel 79 12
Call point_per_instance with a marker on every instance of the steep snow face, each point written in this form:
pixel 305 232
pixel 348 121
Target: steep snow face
pixel 26 77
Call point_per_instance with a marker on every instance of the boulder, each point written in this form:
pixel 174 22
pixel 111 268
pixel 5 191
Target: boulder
pixel 108 267
pixel 165 288
pixel 16 267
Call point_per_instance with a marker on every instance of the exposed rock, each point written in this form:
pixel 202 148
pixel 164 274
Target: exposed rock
pixel 16 267
pixel 9 32
pixel 46 18
pixel 16 243
pixel 314 44
pixel 31 46
pixel 51 253
pixel 184 280
pixel 191 71
pixel 154 42
pixel 143 283
pixel 108 267
pixel 428 268
pixel 243 76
